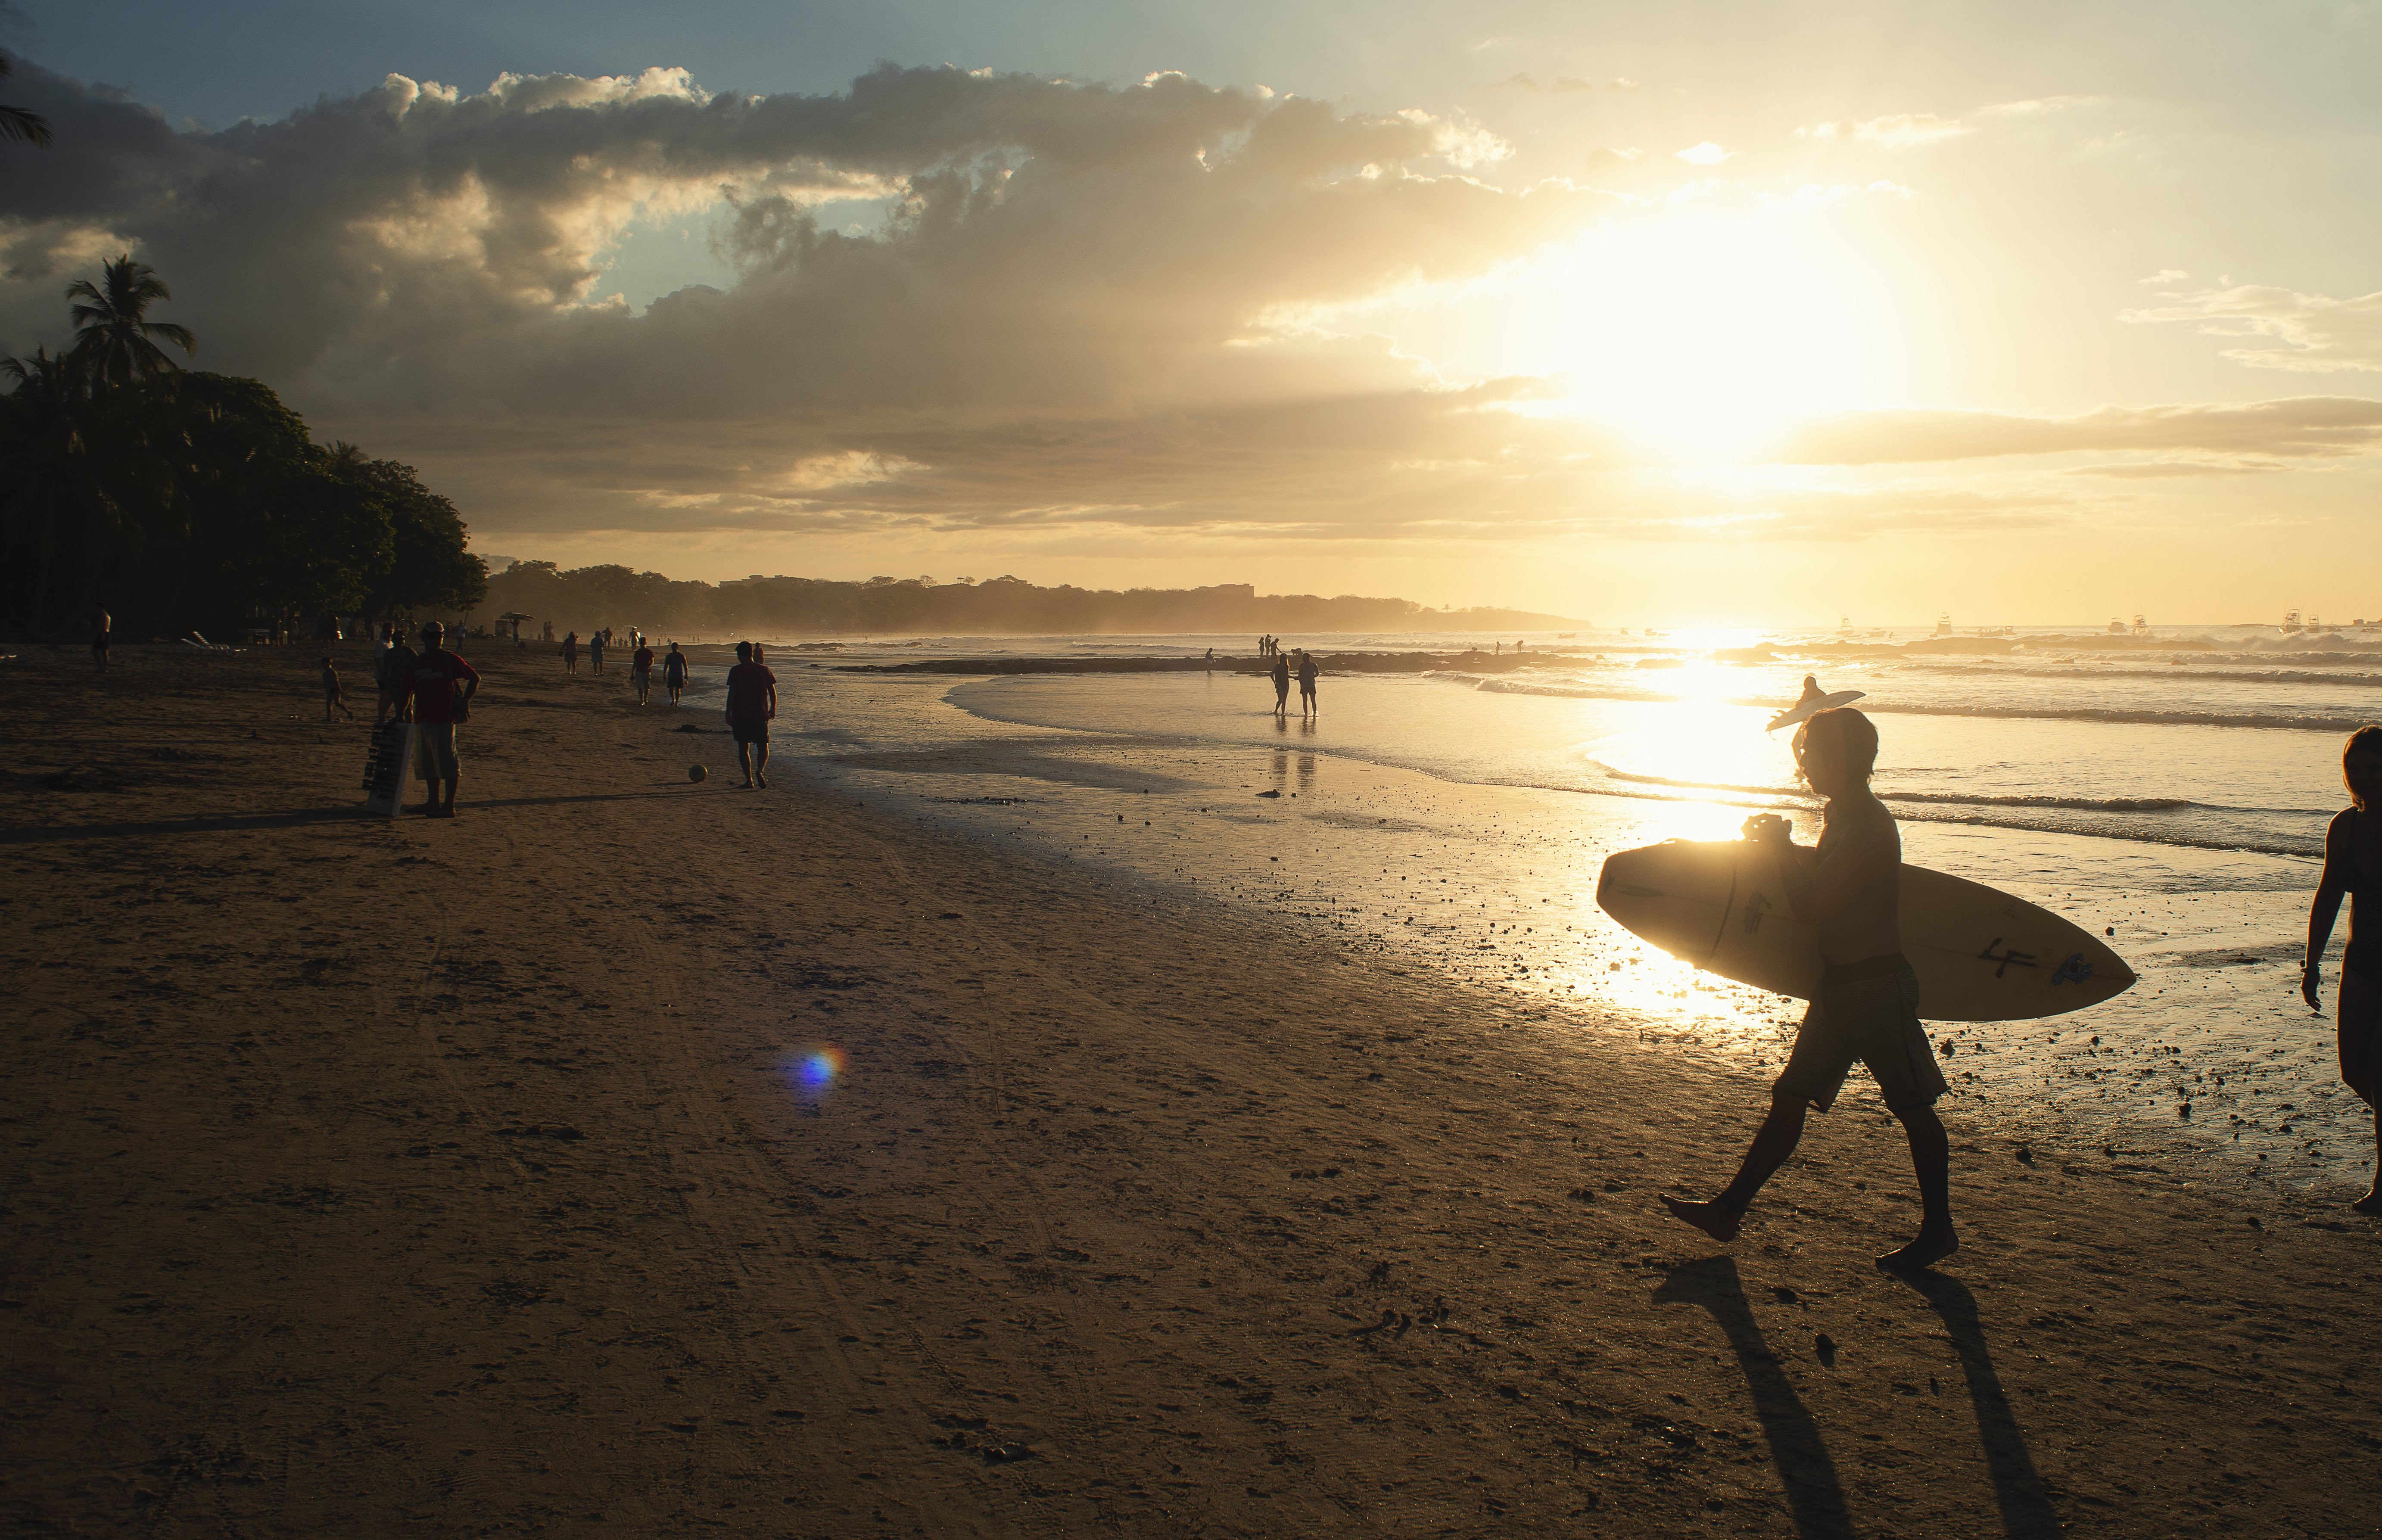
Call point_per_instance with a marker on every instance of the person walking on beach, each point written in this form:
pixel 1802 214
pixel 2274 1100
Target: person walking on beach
pixel 752 701
pixel 595 651
pixel 570 653
pixel 674 672
pixel 441 685
pixel 1307 672
pixel 1281 685
pixel 331 696
pixel 641 669
pixel 1866 1007
pixel 102 638
pixel 2352 847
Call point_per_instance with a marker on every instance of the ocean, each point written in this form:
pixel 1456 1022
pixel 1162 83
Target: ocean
pixel 2171 792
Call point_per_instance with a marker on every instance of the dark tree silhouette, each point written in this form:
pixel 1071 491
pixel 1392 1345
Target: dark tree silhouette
pixel 112 330
pixel 21 123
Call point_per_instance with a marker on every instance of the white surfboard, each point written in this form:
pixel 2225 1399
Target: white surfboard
pixel 1812 701
pixel 388 763
pixel 1981 955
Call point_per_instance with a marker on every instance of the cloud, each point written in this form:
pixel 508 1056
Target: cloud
pixel 2308 426
pixel 1563 85
pixel 1706 153
pixel 2168 469
pixel 1901 131
pixel 1911 130
pixel 1070 277
pixel 2307 332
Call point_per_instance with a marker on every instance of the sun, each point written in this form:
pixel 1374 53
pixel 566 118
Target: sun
pixel 1703 335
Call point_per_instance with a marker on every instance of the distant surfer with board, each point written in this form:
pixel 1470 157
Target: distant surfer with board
pixel 1866 1007
pixel 2352 848
pixel 1813 701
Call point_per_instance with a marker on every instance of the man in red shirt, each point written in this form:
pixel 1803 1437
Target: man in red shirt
pixel 431 682
pixel 641 668
pixel 752 701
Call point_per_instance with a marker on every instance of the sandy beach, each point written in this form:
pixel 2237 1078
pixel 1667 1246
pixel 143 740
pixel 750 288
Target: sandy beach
pixel 413 1176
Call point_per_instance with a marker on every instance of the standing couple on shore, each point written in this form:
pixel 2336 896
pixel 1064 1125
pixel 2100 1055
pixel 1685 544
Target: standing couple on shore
pixel 1306 674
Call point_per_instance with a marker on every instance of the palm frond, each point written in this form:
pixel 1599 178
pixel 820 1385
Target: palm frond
pixel 23 123
pixel 178 336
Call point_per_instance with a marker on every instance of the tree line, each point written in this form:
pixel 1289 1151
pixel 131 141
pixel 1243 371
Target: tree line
pixel 589 598
pixel 177 500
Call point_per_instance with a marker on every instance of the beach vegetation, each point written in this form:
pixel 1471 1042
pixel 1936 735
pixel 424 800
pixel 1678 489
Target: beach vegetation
pixel 180 500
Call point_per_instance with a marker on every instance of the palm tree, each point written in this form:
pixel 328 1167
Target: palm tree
pixel 111 340
pixel 20 122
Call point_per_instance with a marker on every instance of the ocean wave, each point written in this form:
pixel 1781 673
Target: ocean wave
pixel 2073 804
pixel 2070 815
pixel 2132 717
pixel 1983 799
pixel 2124 716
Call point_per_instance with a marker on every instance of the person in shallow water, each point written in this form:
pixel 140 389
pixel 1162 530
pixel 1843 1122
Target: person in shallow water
pixel 1281 684
pixel 1867 1005
pixel 2352 847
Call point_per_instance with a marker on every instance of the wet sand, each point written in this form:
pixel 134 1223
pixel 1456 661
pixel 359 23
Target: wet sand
pixel 457 1178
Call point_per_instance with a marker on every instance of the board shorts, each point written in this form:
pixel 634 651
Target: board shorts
pixel 1873 1018
pixel 750 732
pixel 2358 1013
pixel 434 751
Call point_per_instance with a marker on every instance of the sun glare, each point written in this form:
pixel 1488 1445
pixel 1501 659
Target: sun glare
pixel 1705 336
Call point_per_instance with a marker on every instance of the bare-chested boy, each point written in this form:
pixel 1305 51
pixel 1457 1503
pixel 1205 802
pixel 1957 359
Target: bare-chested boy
pixel 1866 1007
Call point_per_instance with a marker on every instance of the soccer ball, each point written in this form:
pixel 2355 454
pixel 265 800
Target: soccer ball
pixel 698 773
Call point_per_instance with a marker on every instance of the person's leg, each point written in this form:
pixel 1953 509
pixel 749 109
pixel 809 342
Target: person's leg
pixel 1931 1157
pixel 2372 1201
pixel 744 760
pixel 2355 1010
pixel 761 764
pixel 1772 1143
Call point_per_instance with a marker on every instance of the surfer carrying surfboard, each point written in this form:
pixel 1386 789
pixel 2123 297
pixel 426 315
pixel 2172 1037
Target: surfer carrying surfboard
pixel 1866 1006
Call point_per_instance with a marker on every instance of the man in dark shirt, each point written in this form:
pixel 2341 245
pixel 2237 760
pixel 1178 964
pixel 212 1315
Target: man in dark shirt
pixel 674 672
pixel 641 668
pixel 431 683
pixel 752 701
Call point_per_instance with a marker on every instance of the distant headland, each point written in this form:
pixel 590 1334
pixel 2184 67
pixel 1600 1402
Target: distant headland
pixel 587 597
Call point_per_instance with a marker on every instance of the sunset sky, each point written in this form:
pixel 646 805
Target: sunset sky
pixel 1697 314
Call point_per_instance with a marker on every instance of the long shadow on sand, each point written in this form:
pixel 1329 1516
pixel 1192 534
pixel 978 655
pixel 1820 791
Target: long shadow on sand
pixel 1813 1495
pixel 345 813
pixel 2018 1490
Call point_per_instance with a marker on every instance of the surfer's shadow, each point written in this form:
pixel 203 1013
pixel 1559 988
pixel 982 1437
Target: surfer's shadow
pixel 1797 1449
pixel 1806 1470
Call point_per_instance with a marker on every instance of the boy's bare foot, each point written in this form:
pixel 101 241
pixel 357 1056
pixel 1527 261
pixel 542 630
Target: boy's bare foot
pixel 2370 1203
pixel 1929 1248
pixel 1719 1223
pixel 746 787
pixel 762 781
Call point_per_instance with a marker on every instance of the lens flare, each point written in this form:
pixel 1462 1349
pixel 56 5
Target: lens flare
pixel 816 1068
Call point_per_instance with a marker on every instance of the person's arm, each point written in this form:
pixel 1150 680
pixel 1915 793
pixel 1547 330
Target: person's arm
pixel 773 698
pixel 2325 908
pixel 1795 862
pixel 471 677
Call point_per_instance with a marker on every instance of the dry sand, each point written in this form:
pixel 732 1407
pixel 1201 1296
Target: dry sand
pixel 450 1178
